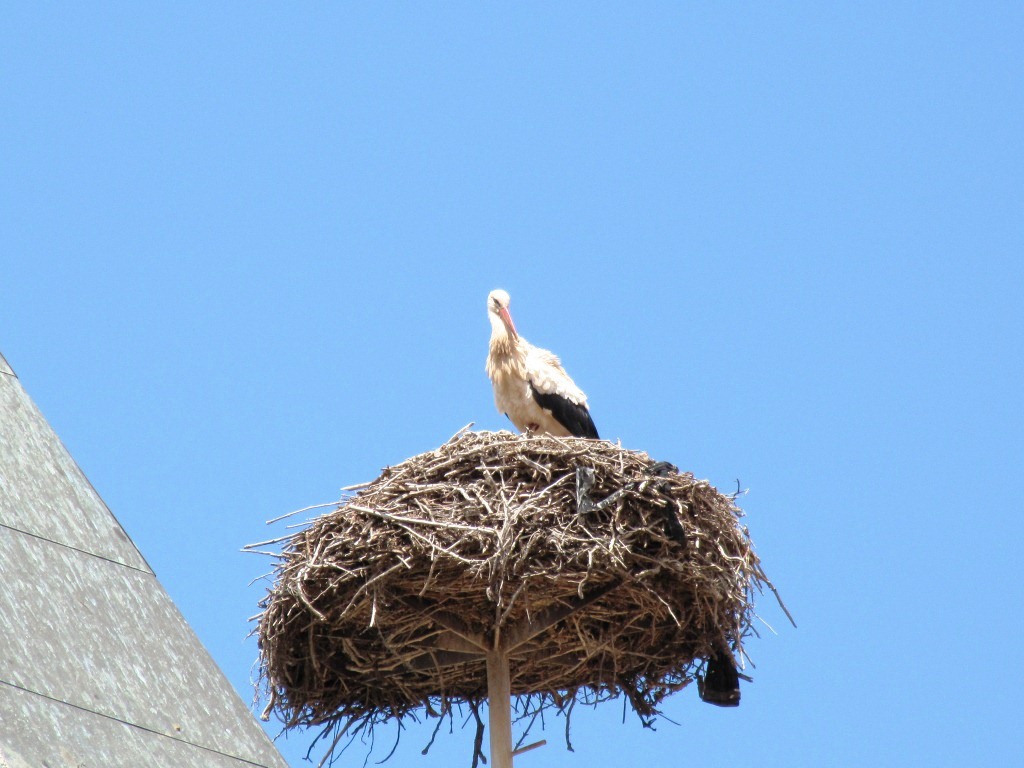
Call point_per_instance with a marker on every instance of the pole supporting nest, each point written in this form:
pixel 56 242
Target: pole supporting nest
pixel 499 708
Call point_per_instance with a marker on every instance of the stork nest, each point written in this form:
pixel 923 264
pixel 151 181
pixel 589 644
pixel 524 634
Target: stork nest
pixel 603 572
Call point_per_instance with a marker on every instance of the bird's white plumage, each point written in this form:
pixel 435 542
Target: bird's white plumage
pixel 545 373
pixel 517 368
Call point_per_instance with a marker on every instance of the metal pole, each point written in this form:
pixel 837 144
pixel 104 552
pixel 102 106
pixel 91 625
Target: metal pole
pixel 499 709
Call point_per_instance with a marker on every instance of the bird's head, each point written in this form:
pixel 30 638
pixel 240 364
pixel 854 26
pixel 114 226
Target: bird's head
pixel 497 310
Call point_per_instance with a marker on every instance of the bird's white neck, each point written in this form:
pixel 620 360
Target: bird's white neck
pixel 505 354
pixel 500 331
pixel 503 345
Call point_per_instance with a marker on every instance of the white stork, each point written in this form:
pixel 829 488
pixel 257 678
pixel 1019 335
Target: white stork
pixel 530 386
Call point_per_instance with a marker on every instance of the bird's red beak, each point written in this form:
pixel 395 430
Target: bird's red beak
pixel 507 319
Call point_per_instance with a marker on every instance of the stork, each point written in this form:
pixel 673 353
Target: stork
pixel 530 385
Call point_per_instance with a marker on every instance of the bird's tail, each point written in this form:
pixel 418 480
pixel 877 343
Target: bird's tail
pixel 721 682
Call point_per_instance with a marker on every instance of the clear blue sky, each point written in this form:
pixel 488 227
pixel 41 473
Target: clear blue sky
pixel 245 252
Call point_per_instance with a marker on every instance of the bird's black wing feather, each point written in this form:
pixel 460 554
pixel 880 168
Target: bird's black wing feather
pixel 574 417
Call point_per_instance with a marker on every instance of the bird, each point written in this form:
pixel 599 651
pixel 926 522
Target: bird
pixel 530 386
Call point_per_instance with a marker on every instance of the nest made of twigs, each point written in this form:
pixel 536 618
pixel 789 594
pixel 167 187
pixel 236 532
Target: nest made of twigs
pixel 604 572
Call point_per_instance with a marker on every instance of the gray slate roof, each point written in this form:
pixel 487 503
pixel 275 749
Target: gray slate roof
pixel 97 666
